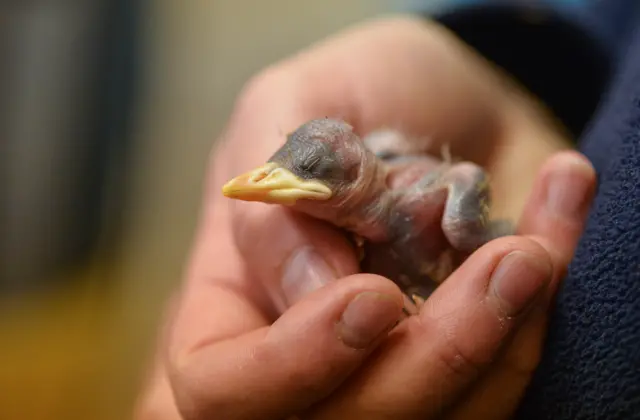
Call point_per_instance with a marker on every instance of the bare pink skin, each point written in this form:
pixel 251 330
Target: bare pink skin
pixel 442 216
pixel 419 216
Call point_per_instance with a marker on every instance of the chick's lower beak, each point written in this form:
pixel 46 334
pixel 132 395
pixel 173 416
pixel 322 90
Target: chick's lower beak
pixel 271 183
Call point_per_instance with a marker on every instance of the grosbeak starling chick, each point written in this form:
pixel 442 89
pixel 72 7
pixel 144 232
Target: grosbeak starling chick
pixel 419 216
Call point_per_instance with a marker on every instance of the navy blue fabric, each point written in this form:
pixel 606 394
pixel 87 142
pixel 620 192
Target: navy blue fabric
pixel 587 67
pixel 551 53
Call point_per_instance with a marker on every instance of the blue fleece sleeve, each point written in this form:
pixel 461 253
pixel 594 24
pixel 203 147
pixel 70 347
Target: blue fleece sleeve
pixel 557 50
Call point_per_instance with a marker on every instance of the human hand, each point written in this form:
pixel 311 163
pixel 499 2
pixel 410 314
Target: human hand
pixel 260 329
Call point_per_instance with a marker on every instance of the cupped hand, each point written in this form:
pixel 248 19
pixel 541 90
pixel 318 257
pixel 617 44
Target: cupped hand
pixel 262 329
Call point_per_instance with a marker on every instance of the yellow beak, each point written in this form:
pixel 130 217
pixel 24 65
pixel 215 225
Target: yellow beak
pixel 273 184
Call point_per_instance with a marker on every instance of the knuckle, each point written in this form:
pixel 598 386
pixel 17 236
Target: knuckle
pixel 459 357
pixel 194 395
pixel 188 396
pixel 459 362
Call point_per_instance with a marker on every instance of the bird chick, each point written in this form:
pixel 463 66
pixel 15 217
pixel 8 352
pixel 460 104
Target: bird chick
pixel 418 217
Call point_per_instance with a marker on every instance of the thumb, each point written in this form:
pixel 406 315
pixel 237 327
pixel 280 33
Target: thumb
pixel 290 253
pixel 298 360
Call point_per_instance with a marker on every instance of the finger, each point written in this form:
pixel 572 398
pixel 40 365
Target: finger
pixel 555 216
pixel 559 205
pixel 276 371
pixel 292 254
pixel 431 359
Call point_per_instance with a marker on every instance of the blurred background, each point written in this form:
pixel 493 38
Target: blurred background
pixel 108 110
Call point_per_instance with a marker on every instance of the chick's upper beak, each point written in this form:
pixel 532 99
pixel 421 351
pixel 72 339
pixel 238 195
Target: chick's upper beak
pixel 271 183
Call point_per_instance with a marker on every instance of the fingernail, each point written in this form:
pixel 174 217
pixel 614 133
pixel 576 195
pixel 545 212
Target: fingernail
pixel 567 189
pixel 518 280
pixel 367 317
pixel 305 272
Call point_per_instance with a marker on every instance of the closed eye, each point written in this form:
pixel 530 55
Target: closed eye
pixel 310 164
